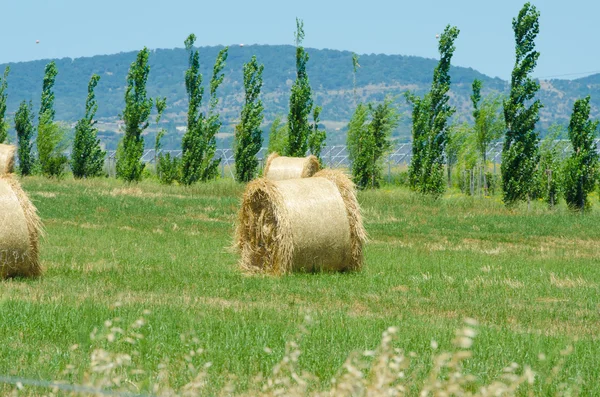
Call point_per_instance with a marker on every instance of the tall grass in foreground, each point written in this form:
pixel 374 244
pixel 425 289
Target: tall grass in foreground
pixel 387 370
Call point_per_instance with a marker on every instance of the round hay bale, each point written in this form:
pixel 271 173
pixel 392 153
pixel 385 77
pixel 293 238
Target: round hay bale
pixel 7 158
pixel 308 224
pixel 279 168
pixel 20 227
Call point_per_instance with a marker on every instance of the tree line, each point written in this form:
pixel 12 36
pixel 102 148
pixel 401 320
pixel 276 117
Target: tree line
pixel 437 145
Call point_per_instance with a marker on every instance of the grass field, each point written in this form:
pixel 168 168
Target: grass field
pixel 531 279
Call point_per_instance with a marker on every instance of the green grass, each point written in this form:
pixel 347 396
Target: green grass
pixel 531 278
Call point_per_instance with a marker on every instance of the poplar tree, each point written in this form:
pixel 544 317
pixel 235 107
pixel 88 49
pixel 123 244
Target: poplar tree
pixel 430 123
pixel 50 134
pixel 24 128
pixel 248 135
pixel 301 102
pixel 520 154
pixel 3 100
pixel 192 144
pixel 135 116
pixel 213 122
pixel 581 169
pixel 369 131
pixel 87 158
pixel 199 143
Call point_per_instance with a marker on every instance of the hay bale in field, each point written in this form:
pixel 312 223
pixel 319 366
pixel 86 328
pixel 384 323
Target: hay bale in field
pixel 7 158
pixel 20 227
pixel 279 168
pixel 307 224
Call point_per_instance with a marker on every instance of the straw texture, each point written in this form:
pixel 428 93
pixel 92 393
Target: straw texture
pixel 301 225
pixel 7 159
pixel 20 228
pixel 279 168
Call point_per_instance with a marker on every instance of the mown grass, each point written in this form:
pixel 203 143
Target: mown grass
pixel 531 278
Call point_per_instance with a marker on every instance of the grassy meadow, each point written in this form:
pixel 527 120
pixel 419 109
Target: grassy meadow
pixel 530 278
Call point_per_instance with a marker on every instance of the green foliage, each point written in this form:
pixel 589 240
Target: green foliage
pixel 457 141
pixel 192 143
pixel 430 123
pixel 50 138
pixel 549 171
pixel 168 169
pixel 87 158
pixel 278 136
pixel 24 128
pixel 489 124
pixel 248 135
pixel 137 111
pixel 301 102
pixel 369 131
pixel 3 100
pixel 520 155
pixel 581 169
pixel 161 105
pixel 316 138
pixel 199 142
pixel 47 102
pixel 51 145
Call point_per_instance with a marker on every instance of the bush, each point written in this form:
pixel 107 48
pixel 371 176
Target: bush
pixel 168 169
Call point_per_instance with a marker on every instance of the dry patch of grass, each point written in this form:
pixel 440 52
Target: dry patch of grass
pixel 567 282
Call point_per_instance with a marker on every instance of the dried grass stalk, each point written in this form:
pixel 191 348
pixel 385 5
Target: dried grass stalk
pixel 279 168
pixel 7 159
pixel 308 224
pixel 20 227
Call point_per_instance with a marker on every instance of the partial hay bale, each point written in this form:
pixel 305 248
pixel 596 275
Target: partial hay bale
pixel 7 159
pixel 20 228
pixel 308 224
pixel 279 168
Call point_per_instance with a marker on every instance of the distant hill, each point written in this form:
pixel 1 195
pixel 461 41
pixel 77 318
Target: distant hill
pixel 330 74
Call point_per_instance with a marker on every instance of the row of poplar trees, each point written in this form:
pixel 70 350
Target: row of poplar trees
pixel 197 162
pixel 436 143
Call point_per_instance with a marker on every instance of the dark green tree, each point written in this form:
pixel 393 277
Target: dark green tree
pixel 87 158
pixel 520 154
pixel 213 123
pixel 248 135
pixel 24 128
pixel 50 138
pixel 581 169
pixel 199 143
pixel 316 137
pixel 430 123
pixel 369 133
pixel 192 143
pixel 3 99
pixel 135 116
pixel 301 102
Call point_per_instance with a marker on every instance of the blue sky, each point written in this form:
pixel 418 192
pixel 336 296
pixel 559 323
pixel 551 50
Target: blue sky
pixel 75 28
